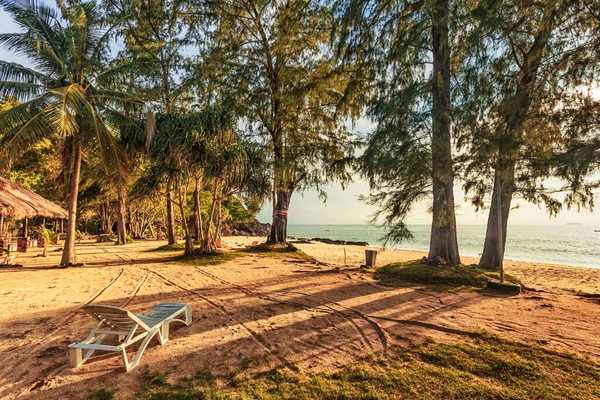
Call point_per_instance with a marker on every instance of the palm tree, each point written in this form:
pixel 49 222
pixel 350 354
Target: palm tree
pixel 67 92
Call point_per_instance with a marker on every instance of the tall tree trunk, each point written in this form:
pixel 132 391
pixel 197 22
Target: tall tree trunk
pixel 280 219
pixel 197 210
pixel 121 216
pixel 493 253
pixel 283 188
pixel 208 244
pixel 219 220
pixel 443 241
pixel 189 241
pixel 170 218
pixel 515 115
pixel 68 255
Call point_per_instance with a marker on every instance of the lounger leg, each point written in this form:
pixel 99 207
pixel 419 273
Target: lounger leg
pixel 75 356
pixel 188 314
pixel 138 355
pixel 165 332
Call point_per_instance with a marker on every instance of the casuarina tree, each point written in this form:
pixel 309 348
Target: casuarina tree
pixel 405 48
pixel 519 123
pixel 290 92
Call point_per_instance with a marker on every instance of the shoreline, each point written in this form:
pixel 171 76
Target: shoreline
pixel 332 242
pixel 550 277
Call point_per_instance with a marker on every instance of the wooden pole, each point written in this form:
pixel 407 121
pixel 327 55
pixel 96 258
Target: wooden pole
pixel 500 237
pixel 25 227
pixel 1 225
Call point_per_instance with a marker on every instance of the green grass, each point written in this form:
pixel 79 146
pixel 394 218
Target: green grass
pixel 215 258
pixel 485 367
pixel 102 394
pixel 220 257
pixel 444 278
pixel 278 251
pixel 168 247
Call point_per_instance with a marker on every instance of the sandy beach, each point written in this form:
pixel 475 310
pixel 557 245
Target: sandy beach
pixel 265 311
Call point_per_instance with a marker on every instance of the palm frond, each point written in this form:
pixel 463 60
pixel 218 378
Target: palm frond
pixel 16 72
pixel 115 96
pixel 23 8
pixel 121 74
pixel 24 125
pixel 64 113
pixel 98 133
pixel 21 91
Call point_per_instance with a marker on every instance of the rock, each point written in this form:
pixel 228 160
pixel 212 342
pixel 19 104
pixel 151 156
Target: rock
pixel 250 228
pixel 340 242
pixel 434 262
pixel 300 241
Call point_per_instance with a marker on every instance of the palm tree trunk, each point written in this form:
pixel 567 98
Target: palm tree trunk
pixel 443 242
pixel 68 255
pixel 121 216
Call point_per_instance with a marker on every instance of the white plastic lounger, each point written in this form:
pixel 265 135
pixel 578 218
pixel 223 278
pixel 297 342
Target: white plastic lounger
pixel 129 328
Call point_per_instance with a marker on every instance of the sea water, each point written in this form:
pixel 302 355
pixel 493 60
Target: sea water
pixel 559 244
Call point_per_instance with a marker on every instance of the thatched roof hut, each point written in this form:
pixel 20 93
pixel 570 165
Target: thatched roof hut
pixel 19 202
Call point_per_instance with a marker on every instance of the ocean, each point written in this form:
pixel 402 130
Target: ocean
pixel 567 244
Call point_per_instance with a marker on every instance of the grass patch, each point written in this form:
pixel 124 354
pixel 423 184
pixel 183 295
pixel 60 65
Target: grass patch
pixel 445 277
pixel 102 394
pixel 220 257
pixel 278 251
pixel 215 258
pixel 486 367
pixel 168 247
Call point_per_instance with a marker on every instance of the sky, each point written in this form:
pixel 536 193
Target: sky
pixel 344 206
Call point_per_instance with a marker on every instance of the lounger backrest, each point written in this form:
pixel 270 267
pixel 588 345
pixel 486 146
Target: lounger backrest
pixel 116 318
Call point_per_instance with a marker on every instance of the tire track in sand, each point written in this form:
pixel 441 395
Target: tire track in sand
pixel 60 321
pixel 378 330
pixel 322 308
pixel 255 336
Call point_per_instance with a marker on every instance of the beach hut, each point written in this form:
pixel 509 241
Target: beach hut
pixel 19 202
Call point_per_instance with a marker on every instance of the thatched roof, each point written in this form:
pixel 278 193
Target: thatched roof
pixel 19 202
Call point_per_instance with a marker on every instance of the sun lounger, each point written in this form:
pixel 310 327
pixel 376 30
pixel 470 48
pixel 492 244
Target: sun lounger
pixel 129 328
pixel 7 260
